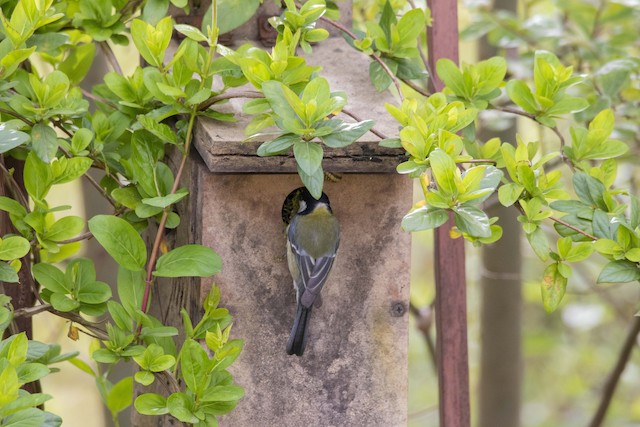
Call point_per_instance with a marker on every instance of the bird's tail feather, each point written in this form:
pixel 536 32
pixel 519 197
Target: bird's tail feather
pixel 298 338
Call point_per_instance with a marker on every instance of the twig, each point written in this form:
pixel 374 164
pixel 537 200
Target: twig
pixel 574 228
pixel 17 116
pixel 375 57
pixel 424 317
pixel 31 311
pixel 15 187
pixel 357 118
pixel 111 57
pixel 95 98
pixel 614 377
pixel 229 95
pixel 79 238
pixel 163 221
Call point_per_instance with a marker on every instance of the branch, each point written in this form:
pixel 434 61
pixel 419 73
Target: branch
pixel 78 238
pixel 111 57
pixel 375 57
pixel 614 377
pixel 574 228
pixel 424 318
pixel 357 118
pixel 17 116
pixel 229 95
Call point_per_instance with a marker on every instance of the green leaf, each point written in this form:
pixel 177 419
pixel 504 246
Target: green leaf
pixel 308 156
pixel 14 247
pixel 191 32
pixel 94 293
pixel 279 145
pixel 13 207
pixel 472 220
pixel 144 377
pixel 451 75
pixel 278 96
pixel 553 287
pixel 37 177
pixel 313 182
pixel 235 13
pixel 589 190
pixel 509 193
pixel 223 393
pixel 8 273
pixel 130 289
pixel 347 133
pixel 379 77
pixel 179 406
pixel 11 138
pixel 521 94
pixel 539 243
pixel 29 372
pixel 78 62
pixel 162 131
pixel 120 240
pixel 120 396
pixel 151 404
pixel 579 252
pixel 424 218
pixel 168 200
pixel 619 272
pixel 65 228
pixel 31 417
pixel 444 170
pixel 188 261
pixel 50 277
pixel 63 303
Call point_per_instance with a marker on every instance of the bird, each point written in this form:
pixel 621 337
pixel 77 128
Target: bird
pixel 313 237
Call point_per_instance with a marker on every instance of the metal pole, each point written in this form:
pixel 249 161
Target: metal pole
pixel 451 303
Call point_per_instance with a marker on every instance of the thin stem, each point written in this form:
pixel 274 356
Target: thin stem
pixel 17 116
pixel 111 57
pixel 31 311
pixel 79 238
pixel 229 95
pixel 614 377
pixel 424 318
pixel 357 118
pixel 100 190
pixel 572 227
pixel 163 220
pixel 375 57
pixel 14 186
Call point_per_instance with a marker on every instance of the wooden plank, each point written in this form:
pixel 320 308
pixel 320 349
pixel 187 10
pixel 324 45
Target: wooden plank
pixel 224 150
pixel 451 303
pixel 240 157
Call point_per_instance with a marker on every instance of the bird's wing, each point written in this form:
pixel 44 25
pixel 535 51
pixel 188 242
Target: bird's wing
pixel 313 274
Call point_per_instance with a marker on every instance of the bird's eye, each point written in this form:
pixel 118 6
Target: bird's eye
pixel 303 206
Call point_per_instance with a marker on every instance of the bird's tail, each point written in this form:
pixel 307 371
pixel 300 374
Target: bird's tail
pixel 298 338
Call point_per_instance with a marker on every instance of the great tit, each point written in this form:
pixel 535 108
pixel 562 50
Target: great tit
pixel 313 236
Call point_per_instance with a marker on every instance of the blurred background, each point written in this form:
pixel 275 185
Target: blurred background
pixel 559 361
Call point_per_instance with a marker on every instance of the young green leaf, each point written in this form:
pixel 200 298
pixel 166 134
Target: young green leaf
pixel 188 261
pixel 120 240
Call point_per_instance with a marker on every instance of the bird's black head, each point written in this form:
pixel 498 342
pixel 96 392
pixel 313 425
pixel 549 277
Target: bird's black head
pixel 300 201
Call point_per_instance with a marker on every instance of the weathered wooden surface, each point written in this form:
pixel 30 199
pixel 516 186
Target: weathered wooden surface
pixel 222 145
pixel 354 370
pixel 451 302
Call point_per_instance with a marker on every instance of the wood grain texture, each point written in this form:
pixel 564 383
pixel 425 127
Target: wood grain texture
pixel 224 150
pixel 354 370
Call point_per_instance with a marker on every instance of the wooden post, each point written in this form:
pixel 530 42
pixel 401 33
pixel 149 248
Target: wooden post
pixel 451 303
